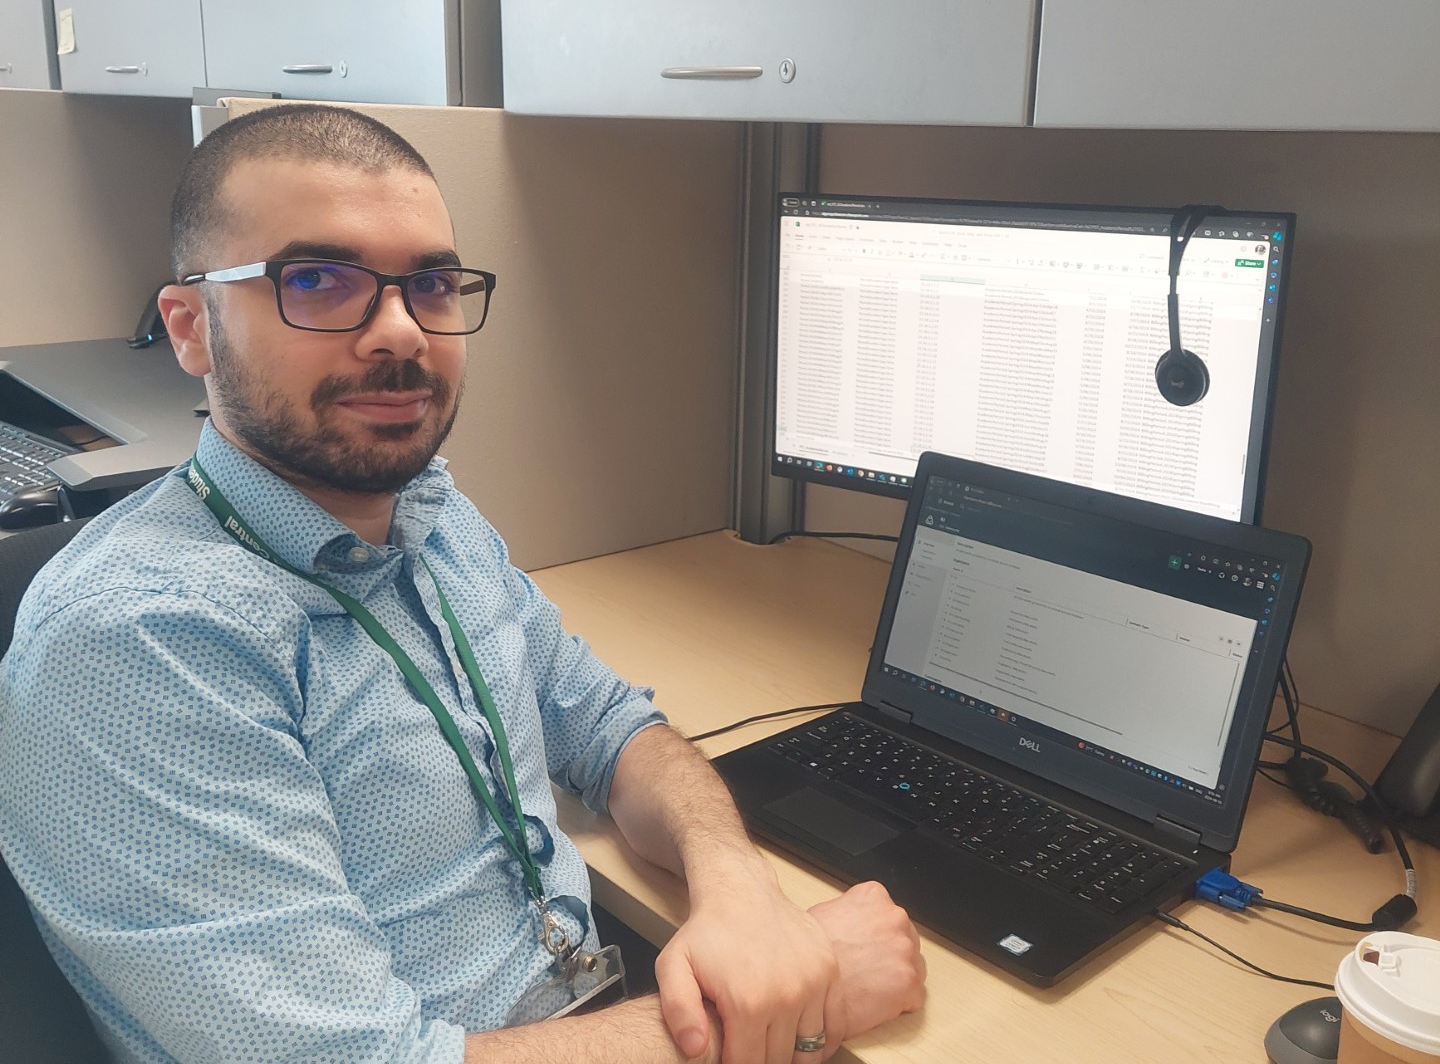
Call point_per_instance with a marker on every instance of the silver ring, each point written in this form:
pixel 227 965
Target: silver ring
pixel 812 1044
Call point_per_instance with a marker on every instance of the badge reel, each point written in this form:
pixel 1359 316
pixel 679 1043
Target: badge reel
pixel 585 981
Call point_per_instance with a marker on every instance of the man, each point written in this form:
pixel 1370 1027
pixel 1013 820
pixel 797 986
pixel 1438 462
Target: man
pixel 278 732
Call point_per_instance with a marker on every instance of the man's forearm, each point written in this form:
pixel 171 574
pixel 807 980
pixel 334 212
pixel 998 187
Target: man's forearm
pixel 675 811
pixel 774 973
pixel 632 1032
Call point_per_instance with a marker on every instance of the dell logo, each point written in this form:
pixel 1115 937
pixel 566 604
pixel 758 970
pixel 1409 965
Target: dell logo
pixel 1030 744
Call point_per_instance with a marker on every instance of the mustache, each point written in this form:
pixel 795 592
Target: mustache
pixel 403 376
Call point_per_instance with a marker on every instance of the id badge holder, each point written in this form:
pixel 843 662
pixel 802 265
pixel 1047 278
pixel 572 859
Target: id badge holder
pixel 584 981
pixel 598 981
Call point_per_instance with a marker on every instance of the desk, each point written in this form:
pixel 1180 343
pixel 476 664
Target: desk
pixel 140 398
pixel 724 630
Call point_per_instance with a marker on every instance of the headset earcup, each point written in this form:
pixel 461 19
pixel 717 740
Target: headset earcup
pixel 1182 377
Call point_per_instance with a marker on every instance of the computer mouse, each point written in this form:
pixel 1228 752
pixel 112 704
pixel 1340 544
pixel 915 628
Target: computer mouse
pixel 33 506
pixel 1307 1034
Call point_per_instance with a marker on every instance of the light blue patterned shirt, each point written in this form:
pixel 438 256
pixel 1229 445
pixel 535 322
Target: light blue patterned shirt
pixel 243 835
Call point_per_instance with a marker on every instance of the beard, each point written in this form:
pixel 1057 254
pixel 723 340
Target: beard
pixel 267 424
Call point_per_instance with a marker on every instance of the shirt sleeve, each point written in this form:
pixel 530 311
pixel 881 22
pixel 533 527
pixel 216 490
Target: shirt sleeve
pixel 589 713
pixel 178 848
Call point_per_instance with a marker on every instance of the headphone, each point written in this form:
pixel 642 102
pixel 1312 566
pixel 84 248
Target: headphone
pixel 1181 375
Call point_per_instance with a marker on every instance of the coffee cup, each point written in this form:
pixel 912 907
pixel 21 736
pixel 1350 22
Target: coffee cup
pixel 1389 989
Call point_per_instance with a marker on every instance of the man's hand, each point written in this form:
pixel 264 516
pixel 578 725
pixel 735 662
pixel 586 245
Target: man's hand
pixel 764 963
pixel 881 970
pixel 768 967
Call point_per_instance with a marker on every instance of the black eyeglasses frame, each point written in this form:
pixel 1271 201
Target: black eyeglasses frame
pixel 274 268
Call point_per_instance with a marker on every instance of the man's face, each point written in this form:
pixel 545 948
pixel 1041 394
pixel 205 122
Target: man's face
pixel 362 411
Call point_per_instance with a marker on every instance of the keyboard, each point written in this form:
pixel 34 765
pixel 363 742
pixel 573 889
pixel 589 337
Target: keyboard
pixel 24 480
pixel 994 820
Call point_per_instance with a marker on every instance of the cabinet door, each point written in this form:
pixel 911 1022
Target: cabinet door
pixel 922 61
pixel 381 51
pixel 27 45
pixel 1240 64
pixel 132 47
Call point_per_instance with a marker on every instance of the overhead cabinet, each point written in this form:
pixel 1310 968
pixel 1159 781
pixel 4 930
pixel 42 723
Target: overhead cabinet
pixel 27 45
pixel 386 51
pixel 923 61
pixel 379 51
pixel 130 47
pixel 1237 64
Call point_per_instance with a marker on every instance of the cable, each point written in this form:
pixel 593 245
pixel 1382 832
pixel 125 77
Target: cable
pixel 1386 918
pixel 1231 893
pixel 1295 687
pixel 1224 890
pixel 764 716
pixel 1369 791
pixel 1291 693
pixel 94 438
pixel 1306 780
pixel 1175 922
pixel 781 536
pixel 1306 775
pixel 1275 780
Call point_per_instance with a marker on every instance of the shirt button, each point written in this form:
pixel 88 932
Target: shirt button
pixel 359 554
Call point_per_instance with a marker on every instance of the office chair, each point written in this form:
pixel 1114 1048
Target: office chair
pixel 42 1020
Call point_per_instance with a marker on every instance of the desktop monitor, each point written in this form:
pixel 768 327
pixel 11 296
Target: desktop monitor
pixel 1024 336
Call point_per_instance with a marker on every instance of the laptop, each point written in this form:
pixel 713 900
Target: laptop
pixel 1060 720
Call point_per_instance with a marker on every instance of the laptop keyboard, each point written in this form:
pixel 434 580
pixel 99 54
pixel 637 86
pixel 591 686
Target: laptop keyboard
pixel 23 458
pixel 981 814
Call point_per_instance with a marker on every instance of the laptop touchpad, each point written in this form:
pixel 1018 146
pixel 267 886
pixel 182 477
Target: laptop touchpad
pixel 831 821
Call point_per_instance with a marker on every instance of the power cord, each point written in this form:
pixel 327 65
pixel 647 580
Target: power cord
pixel 780 537
pixel 1330 798
pixel 764 716
pixel 1398 909
pixel 1305 774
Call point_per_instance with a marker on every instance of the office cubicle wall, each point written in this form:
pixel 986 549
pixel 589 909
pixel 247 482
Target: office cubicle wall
pixel 599 404
pixel 1353 450
pixel 85 184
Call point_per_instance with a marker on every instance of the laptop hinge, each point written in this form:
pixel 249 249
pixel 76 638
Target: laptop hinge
pixel 1188 838
pixel 904 716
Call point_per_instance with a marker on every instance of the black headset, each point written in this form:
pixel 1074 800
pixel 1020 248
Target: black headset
pixel 1181 375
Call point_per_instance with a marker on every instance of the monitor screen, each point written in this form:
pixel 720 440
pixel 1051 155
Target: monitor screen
pixel 1024 336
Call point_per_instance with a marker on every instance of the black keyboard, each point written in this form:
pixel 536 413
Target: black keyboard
pixel 981 814
pixel 23 458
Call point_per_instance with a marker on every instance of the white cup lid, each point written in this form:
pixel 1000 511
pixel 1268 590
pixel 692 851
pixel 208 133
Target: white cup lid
pixel 1390 982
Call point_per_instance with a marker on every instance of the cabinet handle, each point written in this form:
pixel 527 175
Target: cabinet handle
pixel 712 73
pixel 125 69
pixel 308 68
pixel 7 68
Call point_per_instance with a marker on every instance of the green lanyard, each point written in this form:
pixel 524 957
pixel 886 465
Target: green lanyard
pixel 551 934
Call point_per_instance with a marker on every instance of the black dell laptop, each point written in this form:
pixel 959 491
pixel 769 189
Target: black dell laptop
pixel 1060 720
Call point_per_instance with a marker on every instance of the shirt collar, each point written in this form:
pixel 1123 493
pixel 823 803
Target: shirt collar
pixel 300 531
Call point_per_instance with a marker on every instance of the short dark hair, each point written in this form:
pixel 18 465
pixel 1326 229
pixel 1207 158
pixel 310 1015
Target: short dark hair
pixel 305 131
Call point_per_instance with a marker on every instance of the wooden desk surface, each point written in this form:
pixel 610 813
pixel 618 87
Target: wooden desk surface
pixel 724 630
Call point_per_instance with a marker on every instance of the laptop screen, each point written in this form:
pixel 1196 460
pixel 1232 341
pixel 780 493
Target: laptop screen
pixel 1122 657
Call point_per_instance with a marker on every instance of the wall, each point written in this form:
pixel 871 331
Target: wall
pixel 599 411
pixel 85 185
pixel 599 405
pixel 1355 449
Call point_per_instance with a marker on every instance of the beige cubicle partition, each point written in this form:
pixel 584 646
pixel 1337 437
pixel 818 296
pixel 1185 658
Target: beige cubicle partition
pixel 599 405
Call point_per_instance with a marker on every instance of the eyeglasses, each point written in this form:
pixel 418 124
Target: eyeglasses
pixel 325 295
